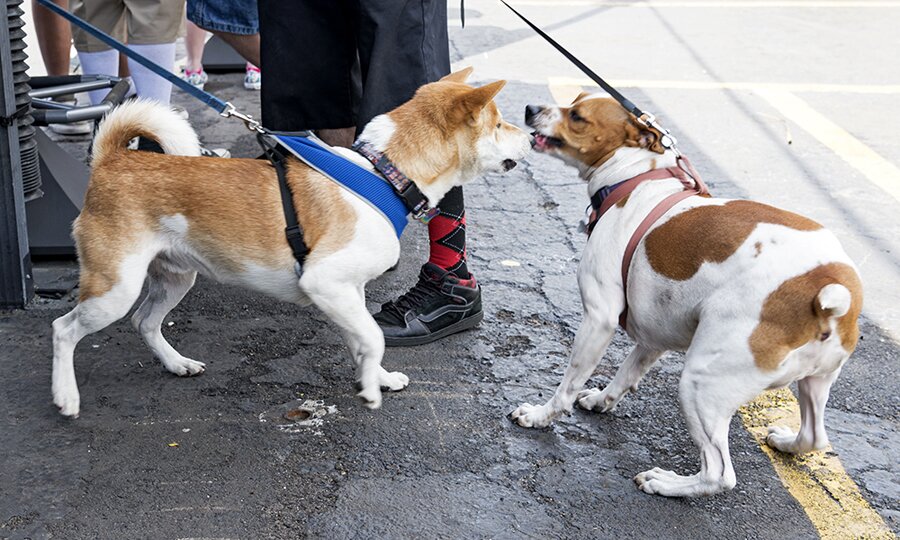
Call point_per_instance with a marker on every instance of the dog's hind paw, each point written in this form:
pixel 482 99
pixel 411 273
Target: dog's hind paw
pixel 393 380
pixel 68 402
pixel 597 400
pixel 371 397
pixel 531 416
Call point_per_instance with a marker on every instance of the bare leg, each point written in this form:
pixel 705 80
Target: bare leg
pixel 593 337
pixel 813 396
pixel 54 36
pixel 246 46
pixel 629 374
pixel 166 289
pixel 338 137
pixel 194 42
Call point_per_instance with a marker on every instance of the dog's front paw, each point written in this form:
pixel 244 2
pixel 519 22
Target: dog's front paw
pixel 393 381
pixel 185 367
pixel 597 401
pixel 532 416
pixel 68 400
pixel 371 397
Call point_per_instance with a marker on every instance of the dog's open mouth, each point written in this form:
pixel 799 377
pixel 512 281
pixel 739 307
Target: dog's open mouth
pixel 543 142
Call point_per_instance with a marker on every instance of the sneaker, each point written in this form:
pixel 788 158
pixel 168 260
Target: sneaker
pixel 252 78
pixel 438 305
pixel 72 128
pixel 197 78
pixel 214 152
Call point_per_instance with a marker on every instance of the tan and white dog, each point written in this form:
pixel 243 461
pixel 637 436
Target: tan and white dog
pixel 167 217
pixel 757 297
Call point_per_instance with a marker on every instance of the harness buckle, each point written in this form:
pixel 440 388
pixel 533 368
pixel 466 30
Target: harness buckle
pixel 666 138
pixel 249 122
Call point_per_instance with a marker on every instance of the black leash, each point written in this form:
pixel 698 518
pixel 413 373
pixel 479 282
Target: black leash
pixel 666 138
pixel 293 231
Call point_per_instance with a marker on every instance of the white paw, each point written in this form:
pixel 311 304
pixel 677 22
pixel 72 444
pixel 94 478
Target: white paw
pixel 598 401
pixel 393 381
pixel 532 416
pixel 66 397
pixel 782 439
pixel 658 481
pixel 185 367
pixel 371 397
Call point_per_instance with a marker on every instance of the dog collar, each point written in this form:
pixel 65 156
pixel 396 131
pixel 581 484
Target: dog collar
pixel 608 196
pixel 412 197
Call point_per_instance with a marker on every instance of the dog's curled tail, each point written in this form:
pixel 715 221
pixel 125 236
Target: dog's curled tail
pixel 833 301
pixel 144 118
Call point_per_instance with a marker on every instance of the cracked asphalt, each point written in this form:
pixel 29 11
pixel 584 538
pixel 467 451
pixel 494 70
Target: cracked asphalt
pixel 157 456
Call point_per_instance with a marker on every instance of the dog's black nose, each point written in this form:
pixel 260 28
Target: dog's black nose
pixel 531 111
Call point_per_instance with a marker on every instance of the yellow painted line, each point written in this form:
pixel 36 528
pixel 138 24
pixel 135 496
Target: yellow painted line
pixel 718 3
pixel 714 85
pixel 875 168
pixel 816 480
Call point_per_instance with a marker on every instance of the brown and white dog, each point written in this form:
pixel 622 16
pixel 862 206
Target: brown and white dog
pixel 757 297
pixel 167 217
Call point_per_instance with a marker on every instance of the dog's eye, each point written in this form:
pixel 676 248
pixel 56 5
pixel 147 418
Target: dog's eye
pixel 575 117
pixel 498 125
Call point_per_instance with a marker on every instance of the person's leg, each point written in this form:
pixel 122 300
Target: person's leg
pixel 96 58
pixel 245 45
pixel 236 22
pixel 446 298
pixel 153 27
pixel 54 37
pixel 308 53
pixel 194 40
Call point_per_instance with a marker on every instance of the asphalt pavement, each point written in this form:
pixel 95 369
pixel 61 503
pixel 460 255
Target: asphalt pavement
pixel 157 456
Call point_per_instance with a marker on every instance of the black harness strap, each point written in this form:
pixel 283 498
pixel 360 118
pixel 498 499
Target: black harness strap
pixel 293 232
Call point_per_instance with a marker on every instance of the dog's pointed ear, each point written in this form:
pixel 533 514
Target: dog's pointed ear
pixel 580 97
pixel 470 104
pixel 460 76
pixel 644 137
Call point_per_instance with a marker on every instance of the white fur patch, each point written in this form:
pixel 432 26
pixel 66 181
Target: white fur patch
pixel 379 132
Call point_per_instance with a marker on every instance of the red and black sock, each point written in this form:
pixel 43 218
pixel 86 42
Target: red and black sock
pixel 447 235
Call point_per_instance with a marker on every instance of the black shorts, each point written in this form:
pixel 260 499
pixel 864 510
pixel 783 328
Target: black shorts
pixel 339 63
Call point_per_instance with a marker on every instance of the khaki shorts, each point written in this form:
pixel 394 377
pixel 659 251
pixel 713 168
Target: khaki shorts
pixel 136 22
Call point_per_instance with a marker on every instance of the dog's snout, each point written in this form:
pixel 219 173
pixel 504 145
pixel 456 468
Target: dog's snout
pixel 531 111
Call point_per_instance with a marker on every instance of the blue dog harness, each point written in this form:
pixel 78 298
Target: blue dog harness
pixel 394 196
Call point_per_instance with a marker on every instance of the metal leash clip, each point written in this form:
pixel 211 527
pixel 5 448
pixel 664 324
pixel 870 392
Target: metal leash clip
pixel 249 121
pixel 666 138
pixel 427 214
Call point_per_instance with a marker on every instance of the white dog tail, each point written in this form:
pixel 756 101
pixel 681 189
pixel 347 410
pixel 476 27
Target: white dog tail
pixel 833 301
pixel 144 118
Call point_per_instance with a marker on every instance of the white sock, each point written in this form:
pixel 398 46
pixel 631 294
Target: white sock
pixel 99 63
pixel 147 84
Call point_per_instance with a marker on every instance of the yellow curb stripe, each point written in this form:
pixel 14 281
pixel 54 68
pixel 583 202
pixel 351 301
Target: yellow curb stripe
pixel 816 480
pixel 875 168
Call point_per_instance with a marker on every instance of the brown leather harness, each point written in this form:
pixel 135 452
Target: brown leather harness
pixel 693 185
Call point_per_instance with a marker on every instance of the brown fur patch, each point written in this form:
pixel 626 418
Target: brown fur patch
pixel 598 128
pixel 443 121
pixel 232 206
pixel 677 248
pixel 791 316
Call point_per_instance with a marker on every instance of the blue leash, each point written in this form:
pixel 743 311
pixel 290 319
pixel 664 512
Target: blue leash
pixel 222 107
